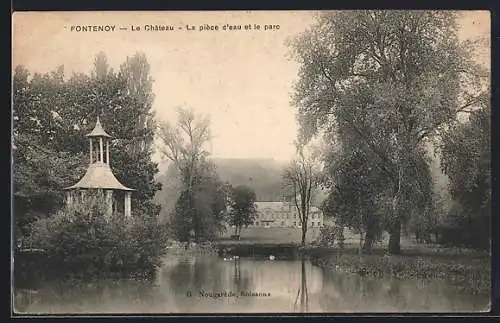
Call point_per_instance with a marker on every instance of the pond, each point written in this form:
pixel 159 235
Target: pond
pixel 190 283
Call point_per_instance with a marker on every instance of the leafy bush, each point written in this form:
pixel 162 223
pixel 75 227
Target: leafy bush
pixel 330 236
pixel 82 241
pixel 462 228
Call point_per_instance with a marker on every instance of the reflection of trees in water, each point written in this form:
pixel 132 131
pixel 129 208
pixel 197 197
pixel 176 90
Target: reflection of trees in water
pixel 180 277
pixel 371 287
pixel 97 296
pixel 393 295
pixel 302 299
pixel 349 292
pixel 206 273
pixel 184 276
pixel 334 294
pixel 201 275
pixel 241 280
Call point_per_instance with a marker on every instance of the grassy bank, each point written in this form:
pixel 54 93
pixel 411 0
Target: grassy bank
pixel 276 235
pixel 469 270
pixel 269 236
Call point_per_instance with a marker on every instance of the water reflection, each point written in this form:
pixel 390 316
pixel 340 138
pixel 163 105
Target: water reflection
pixel 352 293
pixel 208 284
pixel 302 292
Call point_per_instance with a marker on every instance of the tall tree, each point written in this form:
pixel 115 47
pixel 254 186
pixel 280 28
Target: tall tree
pixel 55 114
pixel 171 189
pixel 300 180
pixel 201 211
pixel 467 162
pixel 201 206
pixel 388 80
pixel 211 206
pixel 40 169
pixel 354 184
pixel 184 144
pixel 242 205
pixel 101 66
pixel 136 72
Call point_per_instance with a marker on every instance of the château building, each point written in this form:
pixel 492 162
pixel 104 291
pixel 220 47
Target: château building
pixel 283 214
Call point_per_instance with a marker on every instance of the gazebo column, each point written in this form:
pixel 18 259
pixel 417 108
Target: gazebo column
pixel 128 204
pixel 107 152
pixel 101 150
pixel 69 198
pixel 109 202
pixel 91 150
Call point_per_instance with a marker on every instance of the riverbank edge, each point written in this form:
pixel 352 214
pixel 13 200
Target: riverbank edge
pixel 469 272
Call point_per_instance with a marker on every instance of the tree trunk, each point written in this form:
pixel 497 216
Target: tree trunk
pixel 303 289
pixel 427 237
pixel 417 236
pixel 304 232
pixel 369 236
pixel 360 242
pixel 395 238
pixel 369 239
pixel 340 238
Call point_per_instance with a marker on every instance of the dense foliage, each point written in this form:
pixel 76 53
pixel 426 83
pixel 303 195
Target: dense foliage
pixel 200 212
pixel 381 84
pixel 354 184
pixel 201 208
pixel 52 114
pixel 242 207
pixel 467 162
pixel 82 242
pixel 331 236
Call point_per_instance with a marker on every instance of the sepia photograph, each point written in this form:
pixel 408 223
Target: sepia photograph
pixel 239 162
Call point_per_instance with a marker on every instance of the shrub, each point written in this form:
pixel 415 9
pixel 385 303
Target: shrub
pixel 465 229
pixel 81 241
pixel 330 236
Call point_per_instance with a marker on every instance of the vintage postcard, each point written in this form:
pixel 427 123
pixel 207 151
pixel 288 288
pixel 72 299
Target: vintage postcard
pixel 251 162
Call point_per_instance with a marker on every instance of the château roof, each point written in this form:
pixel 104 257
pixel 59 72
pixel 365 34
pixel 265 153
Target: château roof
pixel 279 206
pixel 272 206
pixel 99 175
pixel 98 131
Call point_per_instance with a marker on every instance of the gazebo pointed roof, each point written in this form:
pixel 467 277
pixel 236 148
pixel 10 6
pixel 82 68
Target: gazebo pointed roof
pixel 98 130
pixel 99 175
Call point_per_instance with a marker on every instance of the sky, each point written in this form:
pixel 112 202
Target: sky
pixel 242 79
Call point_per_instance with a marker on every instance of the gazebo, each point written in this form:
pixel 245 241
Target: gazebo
pixel 99 175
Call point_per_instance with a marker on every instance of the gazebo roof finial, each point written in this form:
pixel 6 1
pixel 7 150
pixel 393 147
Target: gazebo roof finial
pixel 98 130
